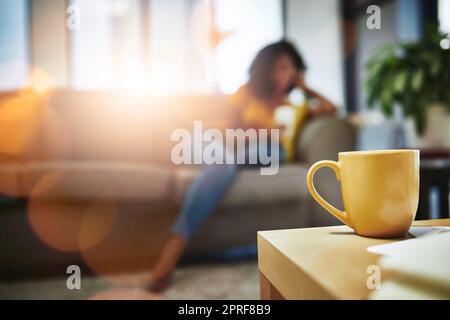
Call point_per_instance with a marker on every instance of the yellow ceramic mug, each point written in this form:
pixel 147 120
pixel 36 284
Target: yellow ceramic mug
pixel 380 190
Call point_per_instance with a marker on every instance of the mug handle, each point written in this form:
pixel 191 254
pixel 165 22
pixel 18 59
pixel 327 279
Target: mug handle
pixel 339 214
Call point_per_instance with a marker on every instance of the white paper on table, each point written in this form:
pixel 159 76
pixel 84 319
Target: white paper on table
pixel 420 267
pixel 419 232
pixel 420 271
pixel 392 249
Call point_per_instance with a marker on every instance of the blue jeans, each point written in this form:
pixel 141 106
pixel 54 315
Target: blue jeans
pixel 205 193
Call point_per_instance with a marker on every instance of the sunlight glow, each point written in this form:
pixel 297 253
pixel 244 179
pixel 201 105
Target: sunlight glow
pixel 195 47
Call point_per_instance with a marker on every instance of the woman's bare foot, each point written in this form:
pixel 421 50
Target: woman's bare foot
pixel 172 251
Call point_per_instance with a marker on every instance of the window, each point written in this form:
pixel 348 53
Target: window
pixel 13 44
pixel 175 64
pixel 248 25
pixel 170 46
pixel 106 46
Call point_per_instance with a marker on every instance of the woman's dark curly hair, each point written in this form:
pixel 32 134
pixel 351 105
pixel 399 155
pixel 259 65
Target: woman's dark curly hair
pixel 260 82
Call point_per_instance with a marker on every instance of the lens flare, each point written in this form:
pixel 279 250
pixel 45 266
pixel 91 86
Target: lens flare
pixel 40 82
pixel 67 224
pixel 19 121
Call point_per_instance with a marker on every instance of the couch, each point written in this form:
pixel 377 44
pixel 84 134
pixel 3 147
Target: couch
pixel 100 147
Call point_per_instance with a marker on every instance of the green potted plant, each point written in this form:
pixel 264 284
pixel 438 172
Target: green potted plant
pixel 415 76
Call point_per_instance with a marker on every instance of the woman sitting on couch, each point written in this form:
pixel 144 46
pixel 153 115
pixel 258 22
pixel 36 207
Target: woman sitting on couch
pixel 275 72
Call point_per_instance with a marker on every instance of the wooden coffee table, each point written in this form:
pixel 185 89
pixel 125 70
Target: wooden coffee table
pixel 318 263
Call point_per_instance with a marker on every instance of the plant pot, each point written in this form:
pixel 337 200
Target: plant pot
pixel 437 131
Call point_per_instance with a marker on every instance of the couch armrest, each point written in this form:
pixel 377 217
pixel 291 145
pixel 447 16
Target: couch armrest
pixel 323 138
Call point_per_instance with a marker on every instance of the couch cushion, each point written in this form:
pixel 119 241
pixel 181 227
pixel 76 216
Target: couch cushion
pixel 323 138
pixel 252 188
pixel 87 180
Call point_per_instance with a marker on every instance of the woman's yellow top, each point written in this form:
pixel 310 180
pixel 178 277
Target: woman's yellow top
pixel 251 112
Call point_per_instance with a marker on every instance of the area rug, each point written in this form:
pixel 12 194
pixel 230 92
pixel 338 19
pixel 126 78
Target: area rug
pixel 198 281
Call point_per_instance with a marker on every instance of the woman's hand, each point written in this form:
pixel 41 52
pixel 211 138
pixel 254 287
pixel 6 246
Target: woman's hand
pixel 325 106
